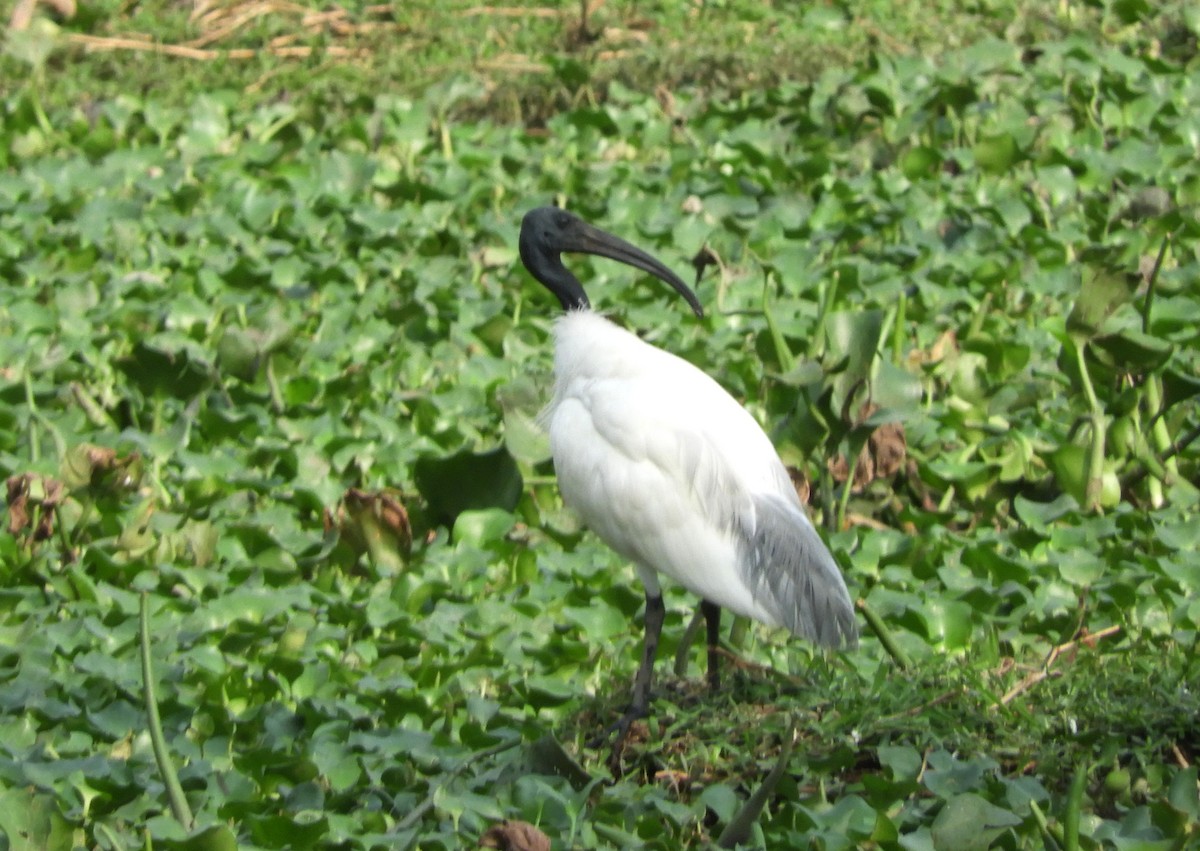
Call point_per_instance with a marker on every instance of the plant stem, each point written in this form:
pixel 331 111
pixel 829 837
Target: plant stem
pixel 35 443
pixel 787 360
pixel 277 403
pixel 847 490
pixel 742 824
pixel 1099 431
pixel 884 635
pixel 685 643
pixel 1074 807
pixel 1158 428
pixel 179 804
pixel 1149 302
pixel 898 328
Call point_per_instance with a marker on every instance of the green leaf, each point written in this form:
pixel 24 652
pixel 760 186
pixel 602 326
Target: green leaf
pixel 31 821
pixel 970 823
pixel 920 162
pixel 853 339
pixel 35 44
pixel 216 837
pixel 948 623
pixel 525 439
pixel 1131 11
pixel 996 154
pixel 1178 387
pixel 547 756
pixel 1101 294
pixel 903 761
pixel 468 480
pixel 482 527
pixel 1182 793
pixel 1131 352
pixel 1070 465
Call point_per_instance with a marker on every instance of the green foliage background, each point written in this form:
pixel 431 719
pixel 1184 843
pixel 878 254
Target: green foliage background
pixel 243 327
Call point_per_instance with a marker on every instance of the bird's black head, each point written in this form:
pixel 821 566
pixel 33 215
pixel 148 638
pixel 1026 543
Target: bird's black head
pixel 548 232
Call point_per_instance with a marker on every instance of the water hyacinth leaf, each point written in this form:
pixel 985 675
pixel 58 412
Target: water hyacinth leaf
pixel 1149 202
pixel 239 353
pixel 969 822
pixel 468 480
pixel 35 45
pixel 853 338
pixel 522 401
pixel 920 162
pixel 303 831
pixel 996 154
pixel 165 370
pixel 948 776
pixel 1178 387
pixel 803 374
pixel 722 800
pixel 482 527
pixel 948 623
pixel 1130 11
pixel 903 761
pixel 1131 351
pixel 1081 567
pixel 546 755
pixel 895 390
pixel 1182 793
pixel 216 837
pixel 31 820
pixel 1179 535
pixel 1102 293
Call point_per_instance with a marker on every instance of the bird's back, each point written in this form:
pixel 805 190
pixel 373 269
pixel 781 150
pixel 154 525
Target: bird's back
pixel 672 473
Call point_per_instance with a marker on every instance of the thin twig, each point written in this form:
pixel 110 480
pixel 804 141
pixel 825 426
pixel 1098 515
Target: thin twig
pixel 929 704
pixel 508 12
pixel 1035 677
pixel 179 51
pixel 854 519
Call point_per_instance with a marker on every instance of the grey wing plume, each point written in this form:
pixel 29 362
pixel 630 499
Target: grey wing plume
pixel 793 574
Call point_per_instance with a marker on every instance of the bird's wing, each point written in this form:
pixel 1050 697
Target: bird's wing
pixel 789 569
pixel 739 482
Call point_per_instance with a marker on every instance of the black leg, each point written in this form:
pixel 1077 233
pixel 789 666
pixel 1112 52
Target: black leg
pixel 712 618
pixel 639 707
pixel 655 613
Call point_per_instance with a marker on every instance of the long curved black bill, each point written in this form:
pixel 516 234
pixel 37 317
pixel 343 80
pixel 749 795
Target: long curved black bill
pixel 589 239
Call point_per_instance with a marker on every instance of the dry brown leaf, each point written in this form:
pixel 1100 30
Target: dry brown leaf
pixel 17 500
pixel 884 455
pixel 515 836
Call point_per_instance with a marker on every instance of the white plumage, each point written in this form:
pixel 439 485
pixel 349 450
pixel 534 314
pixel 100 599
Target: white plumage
pixel 669 470
pixel 676 476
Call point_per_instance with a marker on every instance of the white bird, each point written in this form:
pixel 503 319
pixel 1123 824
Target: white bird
pixel 670 471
